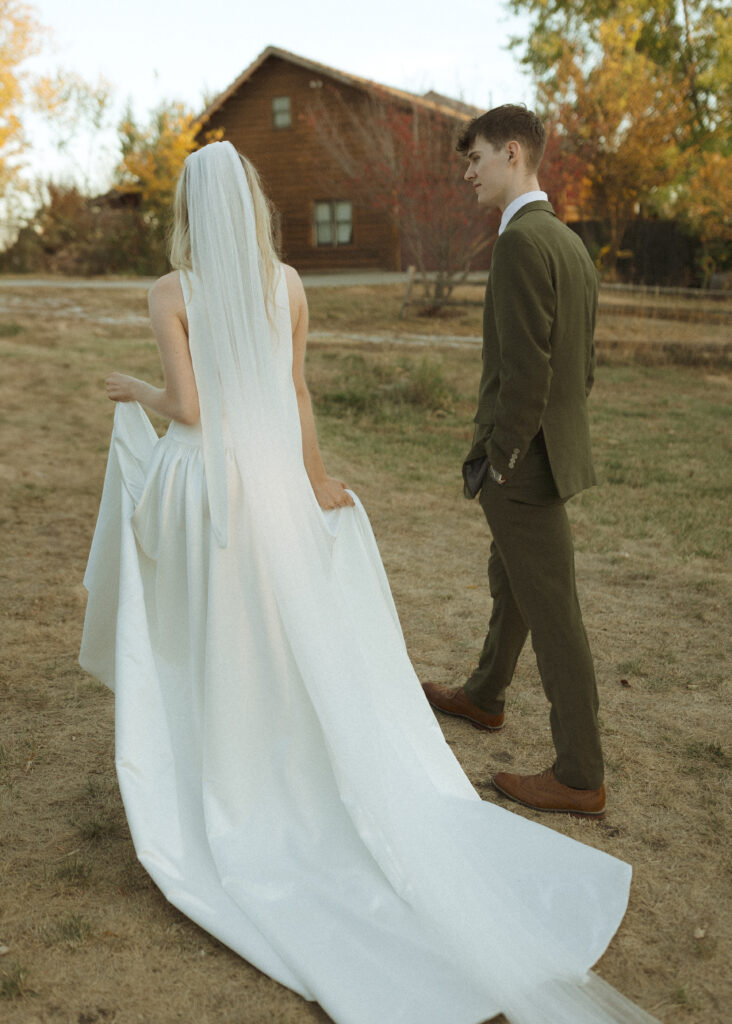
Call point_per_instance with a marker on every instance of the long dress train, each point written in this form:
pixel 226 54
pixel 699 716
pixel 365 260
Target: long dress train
pixel 285 782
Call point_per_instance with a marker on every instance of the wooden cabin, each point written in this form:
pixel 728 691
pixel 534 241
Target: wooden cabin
pixel 267 113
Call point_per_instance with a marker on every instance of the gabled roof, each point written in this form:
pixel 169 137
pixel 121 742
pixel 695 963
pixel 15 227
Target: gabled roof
pixel 431 101
pixel 459 105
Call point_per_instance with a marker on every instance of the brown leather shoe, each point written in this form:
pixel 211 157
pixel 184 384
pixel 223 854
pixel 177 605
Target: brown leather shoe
pixel 454 702
pixel 544 792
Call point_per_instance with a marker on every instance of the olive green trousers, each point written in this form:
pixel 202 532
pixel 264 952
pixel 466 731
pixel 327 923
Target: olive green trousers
pixel 532 582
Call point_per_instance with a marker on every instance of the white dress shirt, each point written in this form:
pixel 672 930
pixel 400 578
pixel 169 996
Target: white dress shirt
pixel 515 205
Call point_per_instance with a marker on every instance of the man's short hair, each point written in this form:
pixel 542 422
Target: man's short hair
pixel 507 123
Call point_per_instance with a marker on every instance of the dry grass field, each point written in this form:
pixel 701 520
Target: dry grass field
pixel 85 937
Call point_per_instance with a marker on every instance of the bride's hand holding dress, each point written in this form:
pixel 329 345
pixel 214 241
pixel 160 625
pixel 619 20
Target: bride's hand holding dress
pixel 178 398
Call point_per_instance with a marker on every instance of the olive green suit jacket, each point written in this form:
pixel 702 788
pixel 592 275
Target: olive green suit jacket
pixel 538 353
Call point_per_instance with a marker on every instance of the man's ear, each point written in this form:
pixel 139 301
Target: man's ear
pixel 513 150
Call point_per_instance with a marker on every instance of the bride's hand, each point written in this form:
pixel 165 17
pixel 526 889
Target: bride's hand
pixel 120 387
pixel 332 493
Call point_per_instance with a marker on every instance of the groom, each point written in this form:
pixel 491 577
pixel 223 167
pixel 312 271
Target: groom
pixel 531 452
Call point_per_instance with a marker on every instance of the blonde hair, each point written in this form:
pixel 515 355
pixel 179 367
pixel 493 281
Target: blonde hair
pixel 180 234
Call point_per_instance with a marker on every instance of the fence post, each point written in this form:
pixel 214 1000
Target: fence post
pixel 411 271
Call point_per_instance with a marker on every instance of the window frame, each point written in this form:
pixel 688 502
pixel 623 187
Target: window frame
pixel 279 112
pixel 333 222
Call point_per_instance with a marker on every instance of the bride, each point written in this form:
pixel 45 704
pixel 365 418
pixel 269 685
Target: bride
pixel 285 781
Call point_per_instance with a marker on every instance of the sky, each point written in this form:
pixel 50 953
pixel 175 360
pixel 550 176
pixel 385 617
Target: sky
pixel 155 50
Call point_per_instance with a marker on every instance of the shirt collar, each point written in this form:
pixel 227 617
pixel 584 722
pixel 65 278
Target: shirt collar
pixel 515 205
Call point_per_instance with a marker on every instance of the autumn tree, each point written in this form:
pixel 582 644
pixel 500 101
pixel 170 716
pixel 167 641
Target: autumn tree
pixel 20 36
pixel 401 160
pixel 73 233
pixel 153 156
pixel 705 205
pixel 124 229
pixel 152 159
pixel 563 173
pixel 682 49
pixel 689 40
pixel 618 114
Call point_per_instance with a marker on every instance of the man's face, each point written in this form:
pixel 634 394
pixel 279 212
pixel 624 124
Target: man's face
pixel 489 172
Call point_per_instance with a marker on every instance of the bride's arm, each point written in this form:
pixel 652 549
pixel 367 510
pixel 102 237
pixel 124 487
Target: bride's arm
pixel 178 398
pixel 330 493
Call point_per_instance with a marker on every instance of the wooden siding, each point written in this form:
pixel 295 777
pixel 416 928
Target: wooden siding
pixel 297 170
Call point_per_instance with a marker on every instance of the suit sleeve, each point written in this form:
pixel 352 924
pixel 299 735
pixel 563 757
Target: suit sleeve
pixel 524 303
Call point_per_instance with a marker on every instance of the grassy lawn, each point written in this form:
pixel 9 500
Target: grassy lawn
pixel 627 323
pixel 89 937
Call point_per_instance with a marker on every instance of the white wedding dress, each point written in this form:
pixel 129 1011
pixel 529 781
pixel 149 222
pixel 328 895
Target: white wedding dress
pixel 285 781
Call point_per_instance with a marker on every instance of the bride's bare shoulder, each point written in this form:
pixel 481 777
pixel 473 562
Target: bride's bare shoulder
pixel 294 282
pixel 291 274
pixel 167 292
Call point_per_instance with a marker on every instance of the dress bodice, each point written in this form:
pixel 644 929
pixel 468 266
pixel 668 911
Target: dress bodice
pixel 184 433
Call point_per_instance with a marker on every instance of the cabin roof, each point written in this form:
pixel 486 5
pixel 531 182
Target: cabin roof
pixel 432 101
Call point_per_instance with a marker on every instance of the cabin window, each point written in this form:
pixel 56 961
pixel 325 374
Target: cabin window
pixel 333 222
pixel 281 114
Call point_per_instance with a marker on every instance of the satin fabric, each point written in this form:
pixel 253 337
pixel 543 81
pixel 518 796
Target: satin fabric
pixel 230 791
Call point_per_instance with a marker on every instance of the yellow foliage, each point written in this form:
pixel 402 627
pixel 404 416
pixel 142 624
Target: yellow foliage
pixel 20 36
pixel 708 203
pixel 153 157
pixel 623 118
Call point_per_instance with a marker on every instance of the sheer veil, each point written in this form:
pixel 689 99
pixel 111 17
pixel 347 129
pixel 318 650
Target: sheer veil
pixel 233 340
pixel 409 803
